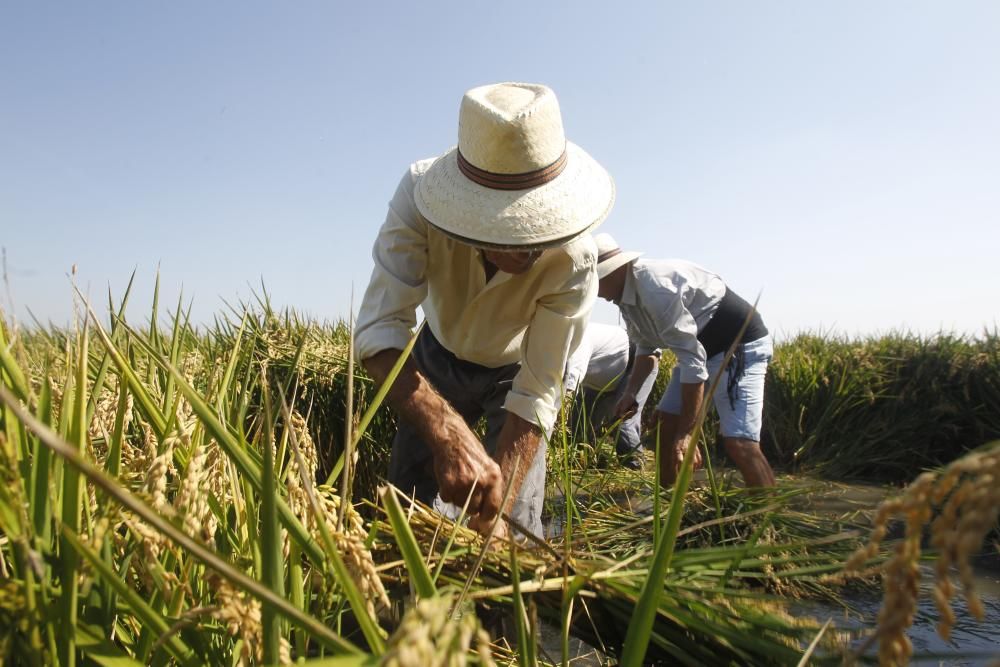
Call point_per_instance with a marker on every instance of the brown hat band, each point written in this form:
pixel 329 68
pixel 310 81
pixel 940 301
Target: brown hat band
pixel 604 256
pixel 528 179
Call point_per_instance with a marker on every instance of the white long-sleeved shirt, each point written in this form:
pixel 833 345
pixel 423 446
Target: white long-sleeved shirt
pixel 600 359
pixel 535 318
pixel 665 303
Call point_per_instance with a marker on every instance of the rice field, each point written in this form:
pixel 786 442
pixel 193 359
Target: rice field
pixel 174 495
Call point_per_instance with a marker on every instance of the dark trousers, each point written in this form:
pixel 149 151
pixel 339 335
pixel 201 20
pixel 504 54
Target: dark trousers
pixel 475 392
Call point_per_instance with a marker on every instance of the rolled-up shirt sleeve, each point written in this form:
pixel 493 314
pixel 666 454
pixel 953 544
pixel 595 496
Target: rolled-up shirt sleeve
pixel 679 332
pixel 643 346
pixel 554 332
pixel 398 282
pixel 576 365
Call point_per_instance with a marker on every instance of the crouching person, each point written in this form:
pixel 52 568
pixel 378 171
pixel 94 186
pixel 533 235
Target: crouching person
pixel 681 306
pixel 596 377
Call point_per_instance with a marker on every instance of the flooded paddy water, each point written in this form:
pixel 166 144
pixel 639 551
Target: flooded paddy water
pixel 855 610
pixel 971 642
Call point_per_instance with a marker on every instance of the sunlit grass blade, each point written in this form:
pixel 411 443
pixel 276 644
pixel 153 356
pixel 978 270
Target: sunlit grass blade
pixel 641 625
pixel 14 376
pixel 525 642
pixel 420 576
pixel 40 469
pixel 813 644
pixel 371 630
pixel 106 361
pixel 350 444
pixel 270 538
pixel 72 505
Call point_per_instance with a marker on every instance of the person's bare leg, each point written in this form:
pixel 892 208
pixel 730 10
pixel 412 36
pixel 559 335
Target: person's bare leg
pixel 748 457
pixel 667 424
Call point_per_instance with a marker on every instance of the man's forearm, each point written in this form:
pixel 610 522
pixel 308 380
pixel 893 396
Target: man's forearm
pixel 518 442
pixel 691 397
pixel 643 365
pixel 415 399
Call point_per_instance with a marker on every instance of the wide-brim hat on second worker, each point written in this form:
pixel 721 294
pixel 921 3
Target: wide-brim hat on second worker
pixel 514 182
pixel 610 257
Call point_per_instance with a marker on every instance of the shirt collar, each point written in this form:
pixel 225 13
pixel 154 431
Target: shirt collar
pixel 629 289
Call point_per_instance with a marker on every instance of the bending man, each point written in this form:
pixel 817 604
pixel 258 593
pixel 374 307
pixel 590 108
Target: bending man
pixel 681 306
pixel 490 239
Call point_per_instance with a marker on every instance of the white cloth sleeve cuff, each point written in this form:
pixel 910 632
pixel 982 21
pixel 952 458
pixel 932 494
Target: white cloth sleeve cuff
pixel 693 374
pixel 381 336
pixel 531 409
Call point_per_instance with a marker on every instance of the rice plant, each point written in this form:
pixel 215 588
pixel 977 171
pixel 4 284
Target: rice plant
pixel 181 496
pixel 884 408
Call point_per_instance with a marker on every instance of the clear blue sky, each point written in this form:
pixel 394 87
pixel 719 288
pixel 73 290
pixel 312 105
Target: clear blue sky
pixel 842 157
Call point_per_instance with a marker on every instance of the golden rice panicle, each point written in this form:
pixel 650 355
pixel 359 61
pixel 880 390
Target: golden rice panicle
pixel 966 495
pixel 150 570
pixel 298 497
pixel 350 539
pixel 965 520
pixel 429 636
pixel 103 421
pixel 241 615
pixel 192 499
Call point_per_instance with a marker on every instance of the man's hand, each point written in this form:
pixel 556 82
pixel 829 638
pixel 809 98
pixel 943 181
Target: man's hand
pixel 626 405
pixel 459 458
pixel 680 449
pixel 482 526
pixel 461 463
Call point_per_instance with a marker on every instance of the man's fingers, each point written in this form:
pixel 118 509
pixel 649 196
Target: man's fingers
pixel 482 525
pixel 622 408
pixel 475 501
pixel 626 410
pixel 491 499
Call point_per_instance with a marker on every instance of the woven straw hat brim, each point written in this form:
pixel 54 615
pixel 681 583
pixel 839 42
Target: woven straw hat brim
pixel 609 265
pixel 579 199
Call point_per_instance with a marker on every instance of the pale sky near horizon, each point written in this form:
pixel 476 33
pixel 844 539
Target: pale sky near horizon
pixel 841 158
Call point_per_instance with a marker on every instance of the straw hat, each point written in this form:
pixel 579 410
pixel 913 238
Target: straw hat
pixel 513 181
pixel 610 256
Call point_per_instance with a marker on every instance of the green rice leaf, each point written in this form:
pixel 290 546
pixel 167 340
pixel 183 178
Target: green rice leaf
pixel 420 575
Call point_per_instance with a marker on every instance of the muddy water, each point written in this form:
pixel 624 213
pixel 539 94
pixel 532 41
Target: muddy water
pixel 972 642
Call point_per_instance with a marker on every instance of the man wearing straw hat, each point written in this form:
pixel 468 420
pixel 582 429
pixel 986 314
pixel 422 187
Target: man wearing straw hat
pixel 596 377
pixel 489 239
pixel 679 305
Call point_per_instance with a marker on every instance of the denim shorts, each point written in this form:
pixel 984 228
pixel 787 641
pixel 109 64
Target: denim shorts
pixel 740 409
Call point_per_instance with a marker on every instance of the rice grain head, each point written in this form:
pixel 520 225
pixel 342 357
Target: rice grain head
pixel 428 636
pixel 966 497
